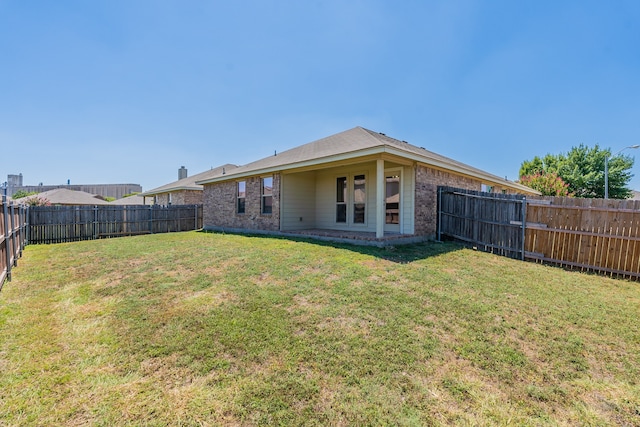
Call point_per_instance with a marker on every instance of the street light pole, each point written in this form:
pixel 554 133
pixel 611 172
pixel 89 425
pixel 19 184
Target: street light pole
pixel 606 169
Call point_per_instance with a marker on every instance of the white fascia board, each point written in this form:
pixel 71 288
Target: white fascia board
pixel 297 165
pixel 169 190
pixel 382 149
pixel 461 169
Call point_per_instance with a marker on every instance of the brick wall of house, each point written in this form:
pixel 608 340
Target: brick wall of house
pixel 219 201
pixel 181 197
pixel 427 182
pixel 186 197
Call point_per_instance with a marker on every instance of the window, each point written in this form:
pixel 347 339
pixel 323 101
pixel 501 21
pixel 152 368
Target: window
pixel 486 188
pixel 341 199
pixel 359 199
pixel 267 195
pixel 241 196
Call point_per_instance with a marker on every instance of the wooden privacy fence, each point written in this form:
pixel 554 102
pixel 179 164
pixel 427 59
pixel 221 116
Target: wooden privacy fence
pixel 59 224
pixel 587 234
pixel 12 237
pixel 490 220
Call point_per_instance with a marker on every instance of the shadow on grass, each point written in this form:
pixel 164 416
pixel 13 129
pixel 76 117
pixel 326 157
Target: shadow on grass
pixel 402 254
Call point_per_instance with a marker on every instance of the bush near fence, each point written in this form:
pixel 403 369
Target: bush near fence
pixel 587 234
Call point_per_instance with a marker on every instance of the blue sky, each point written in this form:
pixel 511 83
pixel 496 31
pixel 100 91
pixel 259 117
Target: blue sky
pixel 111 91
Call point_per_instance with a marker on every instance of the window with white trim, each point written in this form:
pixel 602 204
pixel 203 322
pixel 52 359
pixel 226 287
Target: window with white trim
pixel 267 195
pixel 341 199
pixel 241 195
pixel 359 199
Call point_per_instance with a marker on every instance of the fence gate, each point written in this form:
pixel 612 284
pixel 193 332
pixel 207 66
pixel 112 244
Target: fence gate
pixel 491 222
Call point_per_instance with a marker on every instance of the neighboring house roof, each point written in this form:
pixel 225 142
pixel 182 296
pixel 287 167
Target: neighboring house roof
pixel 129 200
pixel 635 195
pixel 354 143
pixel 63 196
pixel 189 183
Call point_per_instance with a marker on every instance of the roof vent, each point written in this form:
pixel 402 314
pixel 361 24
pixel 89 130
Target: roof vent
pixel 382 134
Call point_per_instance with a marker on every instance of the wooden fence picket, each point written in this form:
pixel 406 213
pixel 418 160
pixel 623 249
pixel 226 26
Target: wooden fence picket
pixel 59 224
pixel 585 234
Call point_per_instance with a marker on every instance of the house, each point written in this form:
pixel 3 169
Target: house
pixel 356 184
pixel 136 199
pixel 63 196
pixel 184 191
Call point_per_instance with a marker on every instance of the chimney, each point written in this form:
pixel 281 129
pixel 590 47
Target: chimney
pixel 182 172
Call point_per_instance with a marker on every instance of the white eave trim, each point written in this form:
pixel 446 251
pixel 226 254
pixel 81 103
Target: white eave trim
pixel 163 191
pixel 384 149
pixel 289 166
pixel 463 170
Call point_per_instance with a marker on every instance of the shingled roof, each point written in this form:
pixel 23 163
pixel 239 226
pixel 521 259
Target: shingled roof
pixel 351 144
pixel 64 196
pixel 189 183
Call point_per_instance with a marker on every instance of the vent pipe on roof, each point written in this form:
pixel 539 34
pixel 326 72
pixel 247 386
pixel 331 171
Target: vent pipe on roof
pixel 182 172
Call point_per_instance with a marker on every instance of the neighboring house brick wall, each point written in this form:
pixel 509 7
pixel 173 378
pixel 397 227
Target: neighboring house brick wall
pixel 220 206
pixel 182 197
pixel 186 197
pixel 427 182
pixel 162 199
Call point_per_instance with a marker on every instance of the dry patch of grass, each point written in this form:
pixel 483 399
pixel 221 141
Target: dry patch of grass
pixel 210 329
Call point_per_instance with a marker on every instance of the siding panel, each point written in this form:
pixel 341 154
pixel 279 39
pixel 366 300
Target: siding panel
pixel 298 201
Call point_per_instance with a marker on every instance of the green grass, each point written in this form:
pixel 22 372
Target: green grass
pixel 213 329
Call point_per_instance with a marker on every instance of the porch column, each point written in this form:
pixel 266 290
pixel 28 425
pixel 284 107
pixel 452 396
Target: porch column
pixel 380 190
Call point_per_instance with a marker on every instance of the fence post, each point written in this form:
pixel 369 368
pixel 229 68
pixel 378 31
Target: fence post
pixel 5 211
pixel 14 244
pixel 23 228
pixel 27 228
pixel 151 219
pixel 95 222
pixel 195 219
pixel 524 223
pixel 439 213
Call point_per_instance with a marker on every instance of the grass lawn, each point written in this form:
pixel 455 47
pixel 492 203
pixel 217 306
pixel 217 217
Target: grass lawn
pixel 212 329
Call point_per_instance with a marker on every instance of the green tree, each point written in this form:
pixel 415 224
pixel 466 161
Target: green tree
pixel 549 184
pixel 582 168
pixel 21 193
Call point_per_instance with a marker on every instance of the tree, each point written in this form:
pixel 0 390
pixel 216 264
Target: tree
pixel 21 193
pixel 549 184
pixel 582 168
